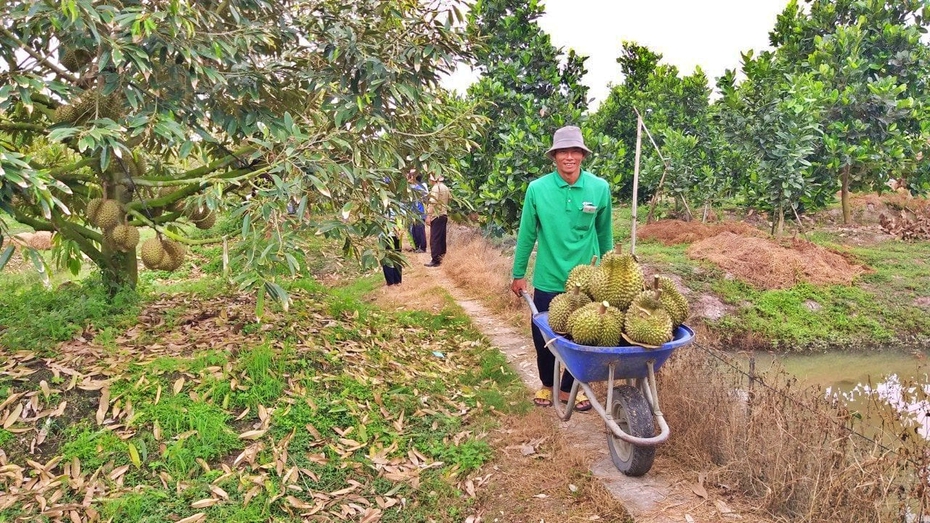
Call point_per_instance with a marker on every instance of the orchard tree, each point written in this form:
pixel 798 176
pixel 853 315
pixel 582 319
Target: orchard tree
pixel 121 114
pixel 772 123
pixel 873 63
pixel 527 90
pixel 671 105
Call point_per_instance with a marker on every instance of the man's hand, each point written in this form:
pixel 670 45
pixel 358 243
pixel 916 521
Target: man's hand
pixel 518 286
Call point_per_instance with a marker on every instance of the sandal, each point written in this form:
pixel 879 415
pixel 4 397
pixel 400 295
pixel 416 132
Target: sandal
pixel 582 403
pixel 543 397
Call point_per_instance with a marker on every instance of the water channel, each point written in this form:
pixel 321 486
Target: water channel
pixel 894 376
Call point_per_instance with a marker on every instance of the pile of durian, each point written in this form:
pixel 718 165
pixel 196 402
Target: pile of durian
pixel 608 303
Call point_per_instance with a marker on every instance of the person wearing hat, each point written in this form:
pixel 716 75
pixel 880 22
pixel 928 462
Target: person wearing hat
pixel 437 217
pixel 567 217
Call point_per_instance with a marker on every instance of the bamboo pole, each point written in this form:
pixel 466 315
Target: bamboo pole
pixel 639 141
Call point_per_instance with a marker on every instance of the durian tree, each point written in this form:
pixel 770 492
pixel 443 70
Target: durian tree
pixel 120 114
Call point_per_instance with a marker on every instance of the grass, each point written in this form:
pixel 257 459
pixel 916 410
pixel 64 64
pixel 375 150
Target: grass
pixel 34 319
pixel 269 412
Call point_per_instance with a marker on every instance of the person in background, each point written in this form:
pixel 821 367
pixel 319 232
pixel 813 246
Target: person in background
pixel 567 217
pixel 437 218
pixel 391 268
pixel 390 241
pixel 417 222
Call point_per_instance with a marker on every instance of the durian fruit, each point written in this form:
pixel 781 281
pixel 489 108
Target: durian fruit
pixel 152 253
pixel 124 237
pixel 581 275
pixel 90 105
pixel 563 305
pixel 65 114
pixel 120 167
pixel 571 317
pixel 676 305
pixel 617 280
pixel 198 213
pixel 174 255
pixel 93 208
pixel 109 214
pixel 165 255
pixel 74 59
pixel 207 221
pixel 601 326
pixel 646 322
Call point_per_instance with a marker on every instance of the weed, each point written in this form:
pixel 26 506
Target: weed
pixel 93 447
pixel 203 426
pixel 263 372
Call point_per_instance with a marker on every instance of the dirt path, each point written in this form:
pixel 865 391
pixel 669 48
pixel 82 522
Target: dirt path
pixel 661 496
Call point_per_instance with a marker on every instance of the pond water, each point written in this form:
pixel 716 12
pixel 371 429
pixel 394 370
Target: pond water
pixel 895 377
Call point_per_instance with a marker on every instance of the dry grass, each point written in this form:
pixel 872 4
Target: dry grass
pixel 766 264
pixel 484 272
pixel 791 450
pixel 539 476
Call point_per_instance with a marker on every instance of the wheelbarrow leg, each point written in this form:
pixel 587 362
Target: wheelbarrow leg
pixel 564 413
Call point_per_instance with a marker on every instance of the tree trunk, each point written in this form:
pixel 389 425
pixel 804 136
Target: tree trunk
pixel 688 214
pixel 121 269
pixel 778 224
pixel 844 196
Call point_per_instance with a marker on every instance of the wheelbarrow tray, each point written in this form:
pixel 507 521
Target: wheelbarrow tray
pixel 590 364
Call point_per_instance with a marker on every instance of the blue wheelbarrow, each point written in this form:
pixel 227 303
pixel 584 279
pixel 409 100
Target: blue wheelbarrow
pixel 631 411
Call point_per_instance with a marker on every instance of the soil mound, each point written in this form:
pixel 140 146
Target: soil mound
pixel 672 232
pixel 766 264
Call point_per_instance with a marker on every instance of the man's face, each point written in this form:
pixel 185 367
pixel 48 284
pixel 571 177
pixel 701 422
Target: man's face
pixel 568 161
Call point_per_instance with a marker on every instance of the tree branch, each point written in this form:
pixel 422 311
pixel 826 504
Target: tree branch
pixel 64 73
pixel 21 126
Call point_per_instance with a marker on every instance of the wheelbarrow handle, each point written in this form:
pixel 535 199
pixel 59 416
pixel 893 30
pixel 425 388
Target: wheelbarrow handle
pixel 529 301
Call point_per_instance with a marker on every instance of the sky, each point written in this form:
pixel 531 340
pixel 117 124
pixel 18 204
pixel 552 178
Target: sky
pixel 687 33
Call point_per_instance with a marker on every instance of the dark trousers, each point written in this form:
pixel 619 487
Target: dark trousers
pixel 545 361
pixel 418 233
pixel 437 238
pixel 391 269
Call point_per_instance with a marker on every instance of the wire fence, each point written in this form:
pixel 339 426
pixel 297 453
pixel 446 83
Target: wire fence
pixel 799 455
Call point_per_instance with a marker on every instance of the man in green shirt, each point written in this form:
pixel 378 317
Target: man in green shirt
pixel 567 217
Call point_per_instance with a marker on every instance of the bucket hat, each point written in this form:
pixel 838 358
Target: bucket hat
pixel 566 138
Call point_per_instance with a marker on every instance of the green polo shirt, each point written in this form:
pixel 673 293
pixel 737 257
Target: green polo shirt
pixel 568 223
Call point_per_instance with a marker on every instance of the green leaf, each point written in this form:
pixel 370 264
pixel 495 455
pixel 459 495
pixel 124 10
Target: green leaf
pixel 6 255
pixel 260 304
pixel 40 266
pixel 134 456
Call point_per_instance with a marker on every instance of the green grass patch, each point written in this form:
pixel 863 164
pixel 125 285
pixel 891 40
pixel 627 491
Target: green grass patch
pixel 191 430
pixel 805 316
pixel 93 447
pixel 36 319
pixel 5 436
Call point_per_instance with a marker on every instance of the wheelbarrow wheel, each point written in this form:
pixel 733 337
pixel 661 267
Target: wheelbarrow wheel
pixel 631 412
